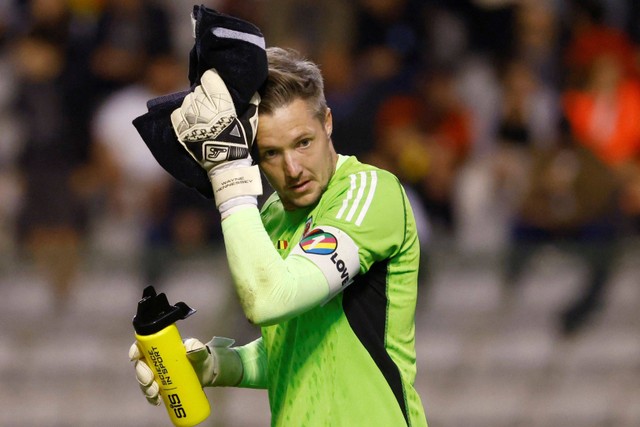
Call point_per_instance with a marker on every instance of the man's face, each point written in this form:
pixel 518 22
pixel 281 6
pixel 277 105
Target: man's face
pixel 296 153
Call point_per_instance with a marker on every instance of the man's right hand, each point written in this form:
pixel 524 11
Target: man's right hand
pixel 216 364
pixel 144 375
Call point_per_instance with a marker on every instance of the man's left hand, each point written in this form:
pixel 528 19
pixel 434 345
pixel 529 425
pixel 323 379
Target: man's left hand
pixel 208 127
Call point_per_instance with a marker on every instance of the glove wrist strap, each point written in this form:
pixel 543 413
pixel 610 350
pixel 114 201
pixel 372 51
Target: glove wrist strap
pixel 227 366
pixel 229 183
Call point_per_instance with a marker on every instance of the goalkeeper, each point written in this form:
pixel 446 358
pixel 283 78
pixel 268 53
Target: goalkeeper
pixel 327 268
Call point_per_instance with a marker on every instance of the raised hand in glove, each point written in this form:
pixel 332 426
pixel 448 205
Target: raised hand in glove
pixel 208 127
pixel 216 364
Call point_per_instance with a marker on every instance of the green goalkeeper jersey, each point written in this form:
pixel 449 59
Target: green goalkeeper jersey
pixel 350 361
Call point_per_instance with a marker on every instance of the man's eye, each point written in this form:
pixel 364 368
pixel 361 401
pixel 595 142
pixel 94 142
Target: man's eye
pixel 304 143
pixel 269 154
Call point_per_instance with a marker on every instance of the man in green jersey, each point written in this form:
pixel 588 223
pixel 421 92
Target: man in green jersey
pixel 328 268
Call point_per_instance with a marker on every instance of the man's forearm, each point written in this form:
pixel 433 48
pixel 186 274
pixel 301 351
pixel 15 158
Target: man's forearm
pixel 270 288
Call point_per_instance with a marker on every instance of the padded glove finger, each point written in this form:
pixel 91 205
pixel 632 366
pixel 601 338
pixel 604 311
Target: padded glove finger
pixel 152 393
pixel 144 376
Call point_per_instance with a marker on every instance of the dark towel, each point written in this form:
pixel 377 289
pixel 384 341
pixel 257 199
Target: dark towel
pixel 236 49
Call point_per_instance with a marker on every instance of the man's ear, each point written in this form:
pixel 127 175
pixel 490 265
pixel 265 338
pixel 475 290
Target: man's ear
pixel 328 122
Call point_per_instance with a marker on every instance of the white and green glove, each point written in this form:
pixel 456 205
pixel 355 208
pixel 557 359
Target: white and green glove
pixel 216 364
pixel 209 128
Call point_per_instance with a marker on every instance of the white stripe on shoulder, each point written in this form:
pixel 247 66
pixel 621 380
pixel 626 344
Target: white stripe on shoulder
pixel 351 204
pixel 367 203
pixel 345 202
pixel 356 202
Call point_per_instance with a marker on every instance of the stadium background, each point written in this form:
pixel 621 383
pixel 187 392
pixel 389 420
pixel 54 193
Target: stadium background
pixel 463 99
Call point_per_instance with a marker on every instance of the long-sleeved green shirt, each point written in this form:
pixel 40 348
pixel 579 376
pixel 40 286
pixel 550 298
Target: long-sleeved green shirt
pixel 336 305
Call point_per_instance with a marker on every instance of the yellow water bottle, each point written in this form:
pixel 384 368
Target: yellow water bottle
pixel 161 345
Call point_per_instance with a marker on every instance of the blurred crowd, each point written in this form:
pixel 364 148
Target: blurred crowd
pixel 513 124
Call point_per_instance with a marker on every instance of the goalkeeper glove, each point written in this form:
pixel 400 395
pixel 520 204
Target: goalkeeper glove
pixel 216 364
pixel 209 128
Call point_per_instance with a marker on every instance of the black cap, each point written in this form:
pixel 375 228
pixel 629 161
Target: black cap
pixel 154 312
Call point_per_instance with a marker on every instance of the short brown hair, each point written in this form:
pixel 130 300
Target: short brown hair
pixel 292 77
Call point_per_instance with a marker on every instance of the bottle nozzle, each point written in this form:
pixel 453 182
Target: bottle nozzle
pixel 155 313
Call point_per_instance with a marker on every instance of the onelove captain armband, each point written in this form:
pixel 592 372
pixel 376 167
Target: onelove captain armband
pixel 334 252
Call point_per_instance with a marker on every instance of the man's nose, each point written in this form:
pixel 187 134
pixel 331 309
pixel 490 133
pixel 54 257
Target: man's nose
pixel 292 166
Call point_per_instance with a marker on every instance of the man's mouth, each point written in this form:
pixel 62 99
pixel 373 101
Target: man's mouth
pixel 299 187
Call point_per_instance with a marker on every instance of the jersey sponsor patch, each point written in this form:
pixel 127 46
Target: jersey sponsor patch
pixel 334 252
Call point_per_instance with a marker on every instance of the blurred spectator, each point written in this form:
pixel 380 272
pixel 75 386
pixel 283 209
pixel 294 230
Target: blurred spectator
pixel 386 50
pixel 526 120
pixel 589 38
pixel 568 201
pixel 529 107
pixel 537 39
pixel 446 36
pixel 53 218
pixel 604 117
pixel 129 33
pixel 389 34
pixel 124 169
pixel 424 138
pixel 488 187
pixel 603 112
pixel 188 226
pixel 309 26
pixel 490 25
pixel 146 212
pixel 563 192
pixel 340 83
